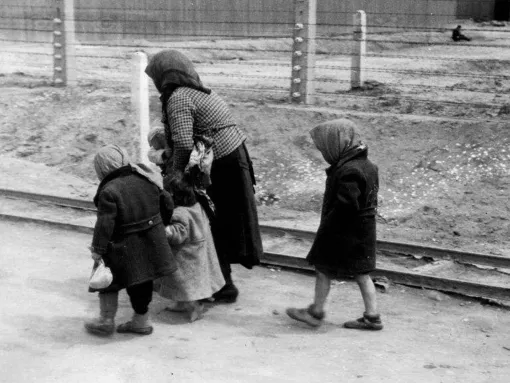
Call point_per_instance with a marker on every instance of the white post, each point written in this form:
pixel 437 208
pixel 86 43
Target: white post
pixel 303 52
pixel 64 59
pixel 140 102
pixel 359 49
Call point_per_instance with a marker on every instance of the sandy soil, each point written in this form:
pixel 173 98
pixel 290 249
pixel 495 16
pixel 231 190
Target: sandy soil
pixel 429 337
pixel 444 163
pixel 443 181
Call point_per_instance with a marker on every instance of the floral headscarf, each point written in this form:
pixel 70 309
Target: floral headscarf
pixel 335 139
pixel 108 159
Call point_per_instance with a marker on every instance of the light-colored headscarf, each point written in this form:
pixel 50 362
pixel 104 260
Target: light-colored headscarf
pixel 335 139
pixel 108 159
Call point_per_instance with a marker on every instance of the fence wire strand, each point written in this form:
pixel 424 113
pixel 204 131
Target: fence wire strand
pixel 261 59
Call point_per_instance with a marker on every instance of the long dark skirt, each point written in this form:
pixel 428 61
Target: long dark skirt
pixel 235 227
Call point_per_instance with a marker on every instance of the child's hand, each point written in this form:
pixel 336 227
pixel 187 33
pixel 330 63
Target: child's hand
pixel 95 256
pixel 168 232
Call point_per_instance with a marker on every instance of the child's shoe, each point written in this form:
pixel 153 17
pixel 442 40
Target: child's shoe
pixel 367 322
pixel 100 326
pixel 139 324
pixel 306 315
pixel 105 324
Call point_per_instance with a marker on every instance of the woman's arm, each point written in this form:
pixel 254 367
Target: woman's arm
pixel 180 110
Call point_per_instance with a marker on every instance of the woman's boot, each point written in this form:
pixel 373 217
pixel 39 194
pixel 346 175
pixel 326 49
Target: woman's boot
pixel 105 324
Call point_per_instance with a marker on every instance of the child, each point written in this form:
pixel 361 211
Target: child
pixel 160 153
pixel 345 241
pixel 198 273
pixel 129 236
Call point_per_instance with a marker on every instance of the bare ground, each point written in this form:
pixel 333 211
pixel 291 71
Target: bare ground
pixel 429 337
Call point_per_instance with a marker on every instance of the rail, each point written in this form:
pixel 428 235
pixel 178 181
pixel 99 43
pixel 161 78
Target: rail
pixel 388 248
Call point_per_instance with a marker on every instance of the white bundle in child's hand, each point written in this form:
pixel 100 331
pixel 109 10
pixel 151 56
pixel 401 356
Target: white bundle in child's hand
pixel 101 276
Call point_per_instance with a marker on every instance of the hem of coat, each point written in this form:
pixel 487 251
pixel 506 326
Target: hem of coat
pixel 115 288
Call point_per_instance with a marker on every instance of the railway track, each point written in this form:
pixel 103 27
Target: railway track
pixel 471 274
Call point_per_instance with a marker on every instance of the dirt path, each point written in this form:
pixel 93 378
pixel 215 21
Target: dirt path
pixel 428 337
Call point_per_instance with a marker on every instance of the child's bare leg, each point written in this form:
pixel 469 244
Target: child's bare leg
pixel 371 319
pixel 313 315
pixel 322 287
pixel 368 293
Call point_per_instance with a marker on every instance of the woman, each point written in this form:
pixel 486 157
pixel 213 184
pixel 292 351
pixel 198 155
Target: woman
pixel 189 109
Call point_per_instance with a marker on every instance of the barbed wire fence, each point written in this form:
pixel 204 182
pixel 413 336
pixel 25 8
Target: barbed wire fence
pixel 402 60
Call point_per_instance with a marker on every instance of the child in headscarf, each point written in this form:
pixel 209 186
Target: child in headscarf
pixel 345 242
pixel 198 274
pixel 129 236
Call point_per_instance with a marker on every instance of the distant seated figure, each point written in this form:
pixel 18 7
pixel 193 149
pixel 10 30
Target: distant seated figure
pixel 458 36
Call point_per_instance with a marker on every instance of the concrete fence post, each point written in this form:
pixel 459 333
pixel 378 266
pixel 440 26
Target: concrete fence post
pixel 64 59
pixel 140 102
pixel 303 52
pixel 359 49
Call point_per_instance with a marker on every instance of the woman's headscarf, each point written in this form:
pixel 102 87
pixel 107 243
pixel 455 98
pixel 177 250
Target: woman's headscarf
pixel 170 68
pixel 335 139
pixel 108 159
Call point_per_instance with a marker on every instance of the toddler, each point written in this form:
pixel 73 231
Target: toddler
pixel 198 274
pixel 129 236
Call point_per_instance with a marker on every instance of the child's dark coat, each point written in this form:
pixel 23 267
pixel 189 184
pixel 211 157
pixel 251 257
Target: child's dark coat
pixel 345 240
pixel 129 231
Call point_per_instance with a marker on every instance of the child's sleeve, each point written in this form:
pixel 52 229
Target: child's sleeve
pixel 346 200
pixel 105 223
pixel 166 206
pixel 178 230
pixel 348 192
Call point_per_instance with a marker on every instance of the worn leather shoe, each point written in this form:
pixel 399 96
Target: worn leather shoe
pixel 227 294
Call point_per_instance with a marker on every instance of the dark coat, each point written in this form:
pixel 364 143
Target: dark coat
pixel 345 240
pixel 129 231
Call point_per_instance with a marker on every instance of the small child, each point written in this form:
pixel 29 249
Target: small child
pixel 346 238
pixel 198 274
pixel 160 153
pixel 129 236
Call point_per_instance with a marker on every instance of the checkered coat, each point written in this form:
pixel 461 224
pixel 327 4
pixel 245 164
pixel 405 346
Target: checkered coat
pixel 192 112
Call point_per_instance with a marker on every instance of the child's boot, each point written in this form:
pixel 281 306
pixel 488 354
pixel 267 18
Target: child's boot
pixel 139 324
pixel 105 324
pixel 367 322
pixel 308 315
